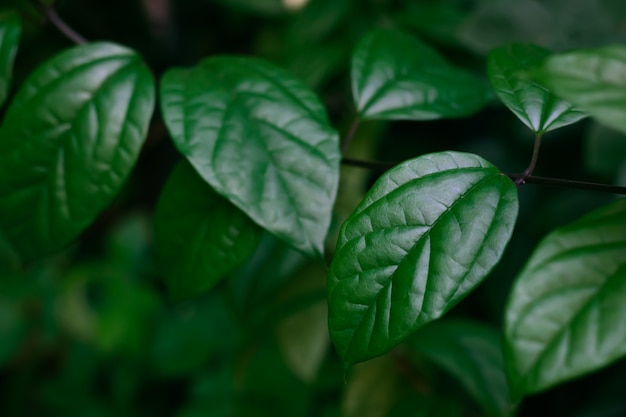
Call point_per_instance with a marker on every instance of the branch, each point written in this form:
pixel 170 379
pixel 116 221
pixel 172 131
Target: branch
pixel 60 24
pixel 523 178
pixel 350 135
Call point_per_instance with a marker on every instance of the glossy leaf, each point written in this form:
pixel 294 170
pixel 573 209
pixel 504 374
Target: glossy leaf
pixel 10 30
pixel 199 235
pixel 565 313
pixel 536 106
pixel 426 234
pixel 472 353
pixel 594 80
pixel 69 140
pixel 396 76
pixel 262 140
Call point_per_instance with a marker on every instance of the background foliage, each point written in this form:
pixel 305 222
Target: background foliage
pixel 97 330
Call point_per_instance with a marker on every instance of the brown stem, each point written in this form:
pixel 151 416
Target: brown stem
pixel 350 135
pixel 60 24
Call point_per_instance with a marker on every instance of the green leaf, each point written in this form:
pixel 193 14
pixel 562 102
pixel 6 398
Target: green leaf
pixel 536 106
pixel 566 311
pixel 10 31
pixel 472 353
pixel 199 235
pixel 593 79
pixel 262 140
pixel 69 140
pixel 426 234
pixel 396 76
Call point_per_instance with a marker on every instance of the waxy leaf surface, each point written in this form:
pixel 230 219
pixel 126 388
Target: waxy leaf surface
pixel 396 76
pixel 68 142
pixel 10 30
pixel 426 234
pixel 536 106
pixel 565 315
pixel 199 235
pixel 593 80
pixel 262 140
pixel 472 353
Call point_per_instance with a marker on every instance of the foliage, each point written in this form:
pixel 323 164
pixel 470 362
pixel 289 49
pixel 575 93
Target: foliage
pixel 230 252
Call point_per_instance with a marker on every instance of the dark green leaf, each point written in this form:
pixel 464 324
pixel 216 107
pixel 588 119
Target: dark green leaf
pixel 594 80
pixel 371 390
pixel 566 310
pixel 472 353
pixel 426 234
pixel 199 235
pixel 69 140
pixel 10 30
pixel 262 140
pixel 537 107
pixel 396 76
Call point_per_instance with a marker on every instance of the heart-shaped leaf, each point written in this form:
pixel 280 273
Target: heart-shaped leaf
pixel 566 311
pixel 10 30
pixel 426 234
pixel 396 76
pixel 536 106
pixel 262 140
pixel 594 80
pixel 472 353
pixel 69 140
pixel 199 235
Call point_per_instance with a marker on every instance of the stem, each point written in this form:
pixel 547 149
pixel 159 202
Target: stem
pixel 350 135
pixel 60 24
pixel 527 179
pixel 533 162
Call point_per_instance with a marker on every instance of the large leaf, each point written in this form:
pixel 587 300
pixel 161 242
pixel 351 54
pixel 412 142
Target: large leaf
pixel 199 235
pixel 472 353
pixel 594 80
pixel 566 311
pixel 396 76
pixel 261 139
pixel 426 234
pixel 10 30
pixel 68 142
pixel 537 107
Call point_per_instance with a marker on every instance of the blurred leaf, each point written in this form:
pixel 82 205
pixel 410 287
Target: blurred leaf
pixel 604 150
pixel 565 312
pixel 199 235
pixel 594 80
pixel 304 340
pixel 101 305
pixel 12 328
pixel 371 389
pixel 190 335
pixel 494 23
pixel 425 235
pixel 10 31
pixel 69 140
pixel 439 22
pixel 396 76
pixel 262 140
pixel 472 353
pixel 539 109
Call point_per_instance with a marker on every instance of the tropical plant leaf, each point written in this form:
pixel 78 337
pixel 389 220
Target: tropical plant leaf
pixel 472 353
pixel 10 31
pixel 536 106
pixel 69 140
pixel 593 79
pixel 426 234
pixel 565 313
pixel 396 76
pixel 262 140
pixel 199 235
